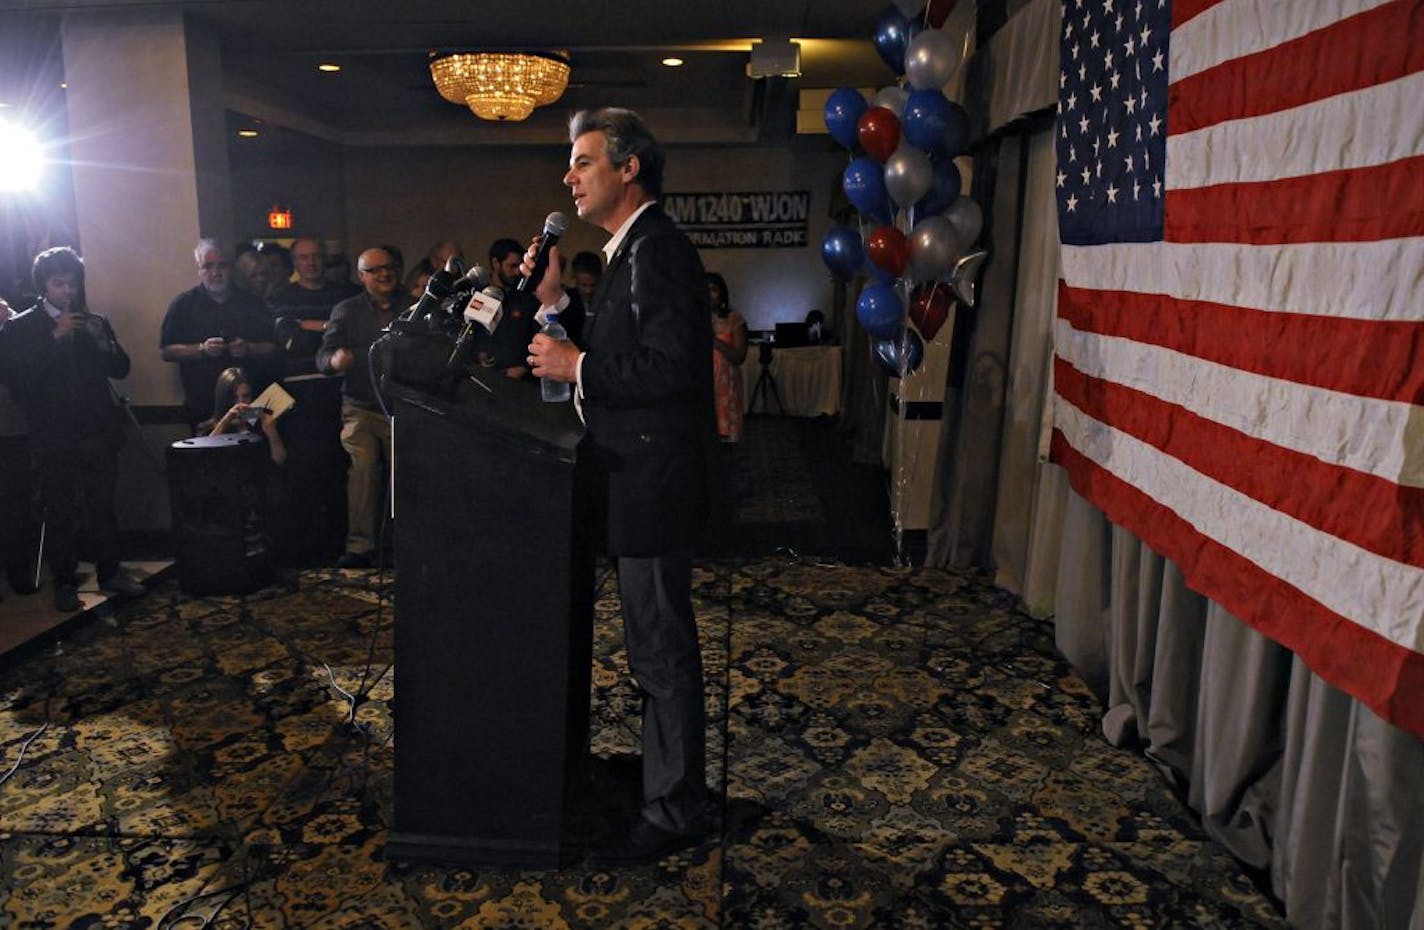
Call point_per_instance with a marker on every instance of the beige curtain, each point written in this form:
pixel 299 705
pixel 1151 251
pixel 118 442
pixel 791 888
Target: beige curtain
pixel 1288 773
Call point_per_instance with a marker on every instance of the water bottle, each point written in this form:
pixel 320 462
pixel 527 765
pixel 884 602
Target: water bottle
pixel 553 391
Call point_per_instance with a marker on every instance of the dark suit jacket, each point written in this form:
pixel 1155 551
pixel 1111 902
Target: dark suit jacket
pixel 64 383
pixel 647 388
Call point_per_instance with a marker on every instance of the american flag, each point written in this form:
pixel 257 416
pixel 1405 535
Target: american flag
pixel 1239 343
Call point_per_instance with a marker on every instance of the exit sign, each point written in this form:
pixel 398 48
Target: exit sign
pixel 277 218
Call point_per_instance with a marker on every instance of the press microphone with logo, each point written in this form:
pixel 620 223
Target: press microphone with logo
pixel 486 309
pixel 474 280
pixel 555 224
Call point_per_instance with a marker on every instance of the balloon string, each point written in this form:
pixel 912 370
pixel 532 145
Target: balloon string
pixel 902 477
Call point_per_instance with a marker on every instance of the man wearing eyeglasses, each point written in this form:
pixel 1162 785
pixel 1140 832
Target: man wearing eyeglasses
pixel 365 433
pixel 212 327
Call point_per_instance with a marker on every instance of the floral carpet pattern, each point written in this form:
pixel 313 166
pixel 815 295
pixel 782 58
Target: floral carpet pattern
pixel 891 747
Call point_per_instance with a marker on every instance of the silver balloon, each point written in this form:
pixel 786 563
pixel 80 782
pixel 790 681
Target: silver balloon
pixel 965 273
pixel 908 175
pixel 966 217
pixel 909 8
pixel 931 60
pixel 934 245
pixel 893 99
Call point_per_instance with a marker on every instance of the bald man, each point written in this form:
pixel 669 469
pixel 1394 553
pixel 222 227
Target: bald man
pixel 365 433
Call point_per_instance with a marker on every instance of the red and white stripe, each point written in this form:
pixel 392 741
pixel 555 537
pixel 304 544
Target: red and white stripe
pixel 1248 396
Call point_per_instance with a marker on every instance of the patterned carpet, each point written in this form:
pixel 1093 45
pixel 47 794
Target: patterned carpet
pixel 903 749
pixel 798 493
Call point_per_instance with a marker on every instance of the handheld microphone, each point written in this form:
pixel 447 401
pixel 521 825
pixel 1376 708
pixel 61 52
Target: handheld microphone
pixel 555 224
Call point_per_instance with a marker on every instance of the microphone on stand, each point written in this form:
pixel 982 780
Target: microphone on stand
pixel 477 278
pixel 555 225
pixel 486 309
pixel 436 290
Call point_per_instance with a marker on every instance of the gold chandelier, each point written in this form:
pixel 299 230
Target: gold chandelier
pixel 500 85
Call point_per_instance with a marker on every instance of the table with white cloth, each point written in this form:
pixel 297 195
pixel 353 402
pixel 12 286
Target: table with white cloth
pixel 807 378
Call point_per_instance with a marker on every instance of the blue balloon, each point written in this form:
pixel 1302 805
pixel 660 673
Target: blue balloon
pixel 934 124
pixel 944 189
pixel 892 37
pixel 842 252
pixel 843 111
pixel 864 184
pixel 900 354
pixel 880 310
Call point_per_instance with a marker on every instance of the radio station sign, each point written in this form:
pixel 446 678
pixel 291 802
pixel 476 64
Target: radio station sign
pixel 754 220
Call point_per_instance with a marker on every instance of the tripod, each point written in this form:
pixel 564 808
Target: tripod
pixel 765 383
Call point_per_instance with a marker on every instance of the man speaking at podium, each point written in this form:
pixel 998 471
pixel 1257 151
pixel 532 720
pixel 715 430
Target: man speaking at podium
pixel 643 384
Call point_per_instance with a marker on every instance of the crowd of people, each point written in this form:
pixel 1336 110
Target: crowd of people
pixel 286 315
pixel 266 314
pixel 289 315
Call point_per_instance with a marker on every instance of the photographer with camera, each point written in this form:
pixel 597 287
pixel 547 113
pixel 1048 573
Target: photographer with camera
pixel 59 358
pixel 233 412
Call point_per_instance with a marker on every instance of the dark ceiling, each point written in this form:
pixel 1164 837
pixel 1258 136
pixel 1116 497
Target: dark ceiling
pixel 270 49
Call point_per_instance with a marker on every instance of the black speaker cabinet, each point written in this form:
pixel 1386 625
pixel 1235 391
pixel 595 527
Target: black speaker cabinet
pixel 216 491
pixel 309 528
pixel 493 626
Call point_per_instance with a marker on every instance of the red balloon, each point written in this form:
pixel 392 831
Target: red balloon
pixel 888 249
pixel 879 133
pixel 930 308
pixel 937 11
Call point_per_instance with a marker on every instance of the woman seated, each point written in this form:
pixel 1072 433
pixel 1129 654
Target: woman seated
pixel 233 412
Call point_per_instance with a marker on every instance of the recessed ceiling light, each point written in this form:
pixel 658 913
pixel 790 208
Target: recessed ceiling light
pixel 328 66
pixel 673 62
pixel 63 85
pixel 247 133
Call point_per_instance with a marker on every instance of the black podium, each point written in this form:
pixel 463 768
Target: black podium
pixel 493 613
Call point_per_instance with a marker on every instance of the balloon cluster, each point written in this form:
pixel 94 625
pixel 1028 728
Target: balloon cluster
pixel 903 181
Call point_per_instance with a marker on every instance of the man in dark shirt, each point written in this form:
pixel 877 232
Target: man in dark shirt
pixel 504 349
pixel 587 270
pixel 212 327
pixel 302 307
pixel 59 357
pixel 365 432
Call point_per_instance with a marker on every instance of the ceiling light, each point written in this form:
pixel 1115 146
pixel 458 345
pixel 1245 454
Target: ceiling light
pixel 328 66
pixel 247 133
pixel 500 85
pixel 673 62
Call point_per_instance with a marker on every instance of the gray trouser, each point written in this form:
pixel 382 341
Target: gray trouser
pixel 366 437
pixel 665 657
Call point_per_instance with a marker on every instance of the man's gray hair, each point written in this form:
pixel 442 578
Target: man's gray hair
pixel 627 136
pixel 206 245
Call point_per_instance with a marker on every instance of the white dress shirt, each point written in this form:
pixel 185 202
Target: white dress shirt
pixel 610 248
